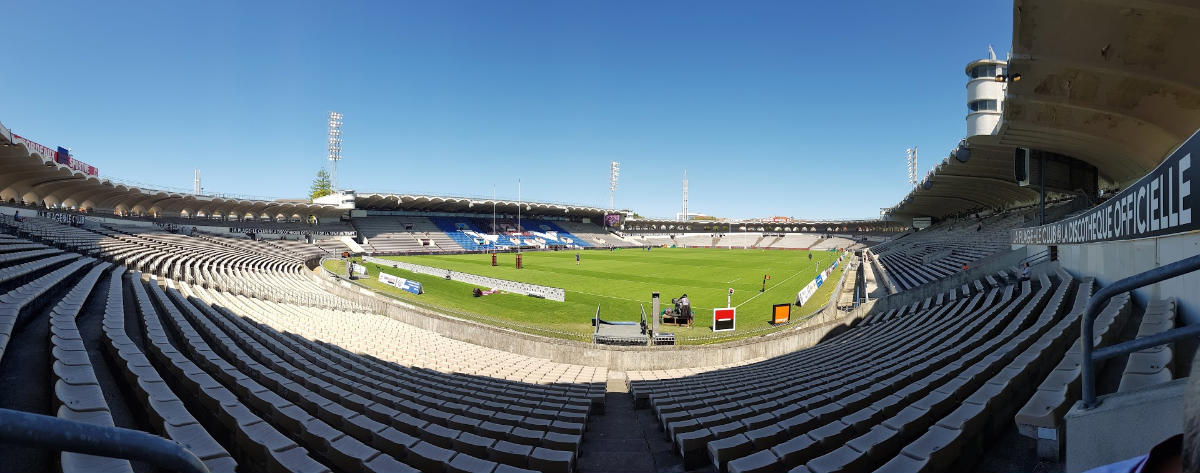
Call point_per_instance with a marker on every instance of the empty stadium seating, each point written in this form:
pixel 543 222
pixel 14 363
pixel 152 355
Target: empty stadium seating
pixel 457 229
pixel 832 243
pixel 916 388
pixel 225 345
pixel 593 234
pixel 210 369
pixel 403 234
pixel 942 250
pixel 555 233
pixel 798 241
pixel 1153 365
pixel 794 240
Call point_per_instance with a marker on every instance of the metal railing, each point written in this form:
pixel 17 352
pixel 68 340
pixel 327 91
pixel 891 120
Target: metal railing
pixel 47 432
pixel 1092 355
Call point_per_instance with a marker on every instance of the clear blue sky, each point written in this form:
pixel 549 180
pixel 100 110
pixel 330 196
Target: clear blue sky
pixel 766 104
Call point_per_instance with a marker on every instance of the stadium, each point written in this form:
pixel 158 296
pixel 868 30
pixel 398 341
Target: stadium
pixel 1030 304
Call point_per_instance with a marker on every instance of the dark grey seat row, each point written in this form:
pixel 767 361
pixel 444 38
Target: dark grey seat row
pixel 322 440
pixel 33 295
pixel 871 445
pixel 168 414
pixel 662 393
pixel 258 443
pixel 399 427
pixel 1041 417
pixel 17 274
pixel 77 392
pixel 956 440
pixel 439 420
pixel 1153 365
pixel 907 396
pixel 820 395
pixel 834 410
pixel 822 359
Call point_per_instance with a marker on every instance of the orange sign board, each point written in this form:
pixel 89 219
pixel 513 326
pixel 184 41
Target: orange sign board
pixel 781 313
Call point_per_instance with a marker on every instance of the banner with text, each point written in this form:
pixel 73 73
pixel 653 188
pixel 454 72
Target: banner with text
pixel 811 288
pixel 61 156
pixel 399 282
pixel 277 231
pixel 1158 204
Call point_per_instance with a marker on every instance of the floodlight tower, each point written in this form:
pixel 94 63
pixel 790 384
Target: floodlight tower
pixel 685 197
pixel 196 189
pixel 614 170
pixel 911 155
pixel 335 145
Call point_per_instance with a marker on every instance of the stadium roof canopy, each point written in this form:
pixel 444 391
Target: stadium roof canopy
pixel 758 225
pixel 30 177
pixel 1113 83
pixel 984 181
pixel 433 203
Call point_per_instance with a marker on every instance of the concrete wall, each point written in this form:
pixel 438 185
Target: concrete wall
pixel 1111 261
pixel 614 358
pixel 1123 425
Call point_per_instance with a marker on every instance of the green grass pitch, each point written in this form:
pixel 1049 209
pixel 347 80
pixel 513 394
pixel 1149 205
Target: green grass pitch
pixel 619 281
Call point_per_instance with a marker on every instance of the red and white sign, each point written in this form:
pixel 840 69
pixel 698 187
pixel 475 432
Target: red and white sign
pixel 724 319
pixel 34 147
pixel 48 153
pixel 80 166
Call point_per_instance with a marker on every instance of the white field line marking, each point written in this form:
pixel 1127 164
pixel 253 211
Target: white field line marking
pixel 608 296
pixel 772 287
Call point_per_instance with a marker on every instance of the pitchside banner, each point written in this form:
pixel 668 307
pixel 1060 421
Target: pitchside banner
pixel 1158 204
pixel 399 282
pixel 807 292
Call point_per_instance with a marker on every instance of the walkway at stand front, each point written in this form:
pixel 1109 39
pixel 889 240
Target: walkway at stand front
pixel 627 440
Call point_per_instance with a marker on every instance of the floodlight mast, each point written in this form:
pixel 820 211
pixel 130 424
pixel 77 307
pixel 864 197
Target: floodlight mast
pixel 614 171
pixel 911 158
pixel 335 146
pixel 520 231
pixel 685 195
